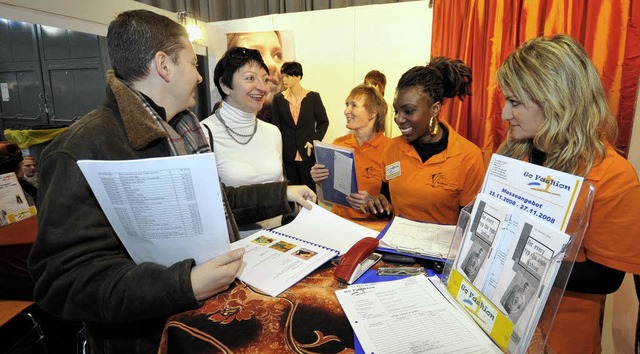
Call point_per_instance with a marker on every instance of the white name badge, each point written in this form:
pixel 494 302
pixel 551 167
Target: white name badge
pixel 393 170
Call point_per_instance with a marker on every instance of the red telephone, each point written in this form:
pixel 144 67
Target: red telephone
pixel 357 260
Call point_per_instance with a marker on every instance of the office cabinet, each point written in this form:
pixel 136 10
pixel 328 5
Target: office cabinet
pixel 49 75
pixel 21 86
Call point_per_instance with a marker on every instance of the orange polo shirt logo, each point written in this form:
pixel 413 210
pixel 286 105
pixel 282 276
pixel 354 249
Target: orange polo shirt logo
pixel 439 180
pixel 373 172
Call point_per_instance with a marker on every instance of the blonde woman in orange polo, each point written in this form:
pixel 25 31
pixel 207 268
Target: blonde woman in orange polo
pixel 559 117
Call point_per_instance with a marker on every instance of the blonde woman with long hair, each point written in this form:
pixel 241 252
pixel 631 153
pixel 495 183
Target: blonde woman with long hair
pixel 559 118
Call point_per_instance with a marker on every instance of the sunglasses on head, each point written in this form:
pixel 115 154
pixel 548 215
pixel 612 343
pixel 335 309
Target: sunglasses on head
pixel 244 53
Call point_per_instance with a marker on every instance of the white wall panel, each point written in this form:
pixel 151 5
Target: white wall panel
pixel 337 47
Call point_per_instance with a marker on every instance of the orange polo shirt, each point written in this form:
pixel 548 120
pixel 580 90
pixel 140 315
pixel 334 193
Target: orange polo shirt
pixel 369 169
pixel 611 239
pixel 435 190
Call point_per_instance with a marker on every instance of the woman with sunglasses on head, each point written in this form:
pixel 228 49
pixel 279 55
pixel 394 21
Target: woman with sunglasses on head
pixel 270 45
pixel 559 117
pixel 431 171
pixel 248 150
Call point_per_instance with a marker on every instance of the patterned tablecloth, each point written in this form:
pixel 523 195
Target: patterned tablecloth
pixel 306 318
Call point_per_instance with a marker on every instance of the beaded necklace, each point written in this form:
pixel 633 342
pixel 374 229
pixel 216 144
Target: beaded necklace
pixel 232 132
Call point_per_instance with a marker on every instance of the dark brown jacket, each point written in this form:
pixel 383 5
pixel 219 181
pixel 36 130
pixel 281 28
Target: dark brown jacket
pixel 81 269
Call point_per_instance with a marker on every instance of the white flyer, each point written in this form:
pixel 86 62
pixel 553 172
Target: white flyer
pixel 164 209
pixel 542 192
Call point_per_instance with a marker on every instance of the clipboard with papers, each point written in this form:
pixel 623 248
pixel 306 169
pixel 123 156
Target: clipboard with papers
pixel 416 239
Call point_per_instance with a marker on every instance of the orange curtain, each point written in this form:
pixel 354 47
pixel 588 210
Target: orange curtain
pixel 484 33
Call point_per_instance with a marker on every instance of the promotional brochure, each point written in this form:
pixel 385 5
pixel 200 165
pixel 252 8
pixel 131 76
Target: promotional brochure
pixel 14 205
pixel 509 260
pixel 342 172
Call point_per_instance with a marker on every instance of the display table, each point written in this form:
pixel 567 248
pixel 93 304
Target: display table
pixel 306 318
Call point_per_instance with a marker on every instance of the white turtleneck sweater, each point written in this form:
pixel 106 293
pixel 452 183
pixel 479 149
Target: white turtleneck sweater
pixel 259 161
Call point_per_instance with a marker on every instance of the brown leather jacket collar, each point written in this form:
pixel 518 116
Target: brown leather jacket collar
pixel 140 126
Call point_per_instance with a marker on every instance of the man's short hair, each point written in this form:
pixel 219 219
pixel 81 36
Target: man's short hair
pixel 135 37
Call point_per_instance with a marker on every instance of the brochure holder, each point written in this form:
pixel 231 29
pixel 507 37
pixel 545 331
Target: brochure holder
pixel 539 324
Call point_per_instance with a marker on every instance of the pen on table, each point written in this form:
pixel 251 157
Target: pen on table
pixel 418 253
pixel 400 271
pixel 398 258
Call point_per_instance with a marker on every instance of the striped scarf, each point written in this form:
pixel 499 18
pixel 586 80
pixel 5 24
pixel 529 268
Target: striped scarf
pixel 186 138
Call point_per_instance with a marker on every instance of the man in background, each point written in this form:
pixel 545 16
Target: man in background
pixel 29 170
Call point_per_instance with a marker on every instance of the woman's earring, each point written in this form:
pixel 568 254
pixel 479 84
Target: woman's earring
pixel 433 125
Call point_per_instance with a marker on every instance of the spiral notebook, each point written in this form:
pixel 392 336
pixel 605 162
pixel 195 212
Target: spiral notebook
pixel 273 261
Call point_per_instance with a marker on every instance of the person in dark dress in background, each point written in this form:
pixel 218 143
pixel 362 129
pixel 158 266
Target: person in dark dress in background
pixel 301 118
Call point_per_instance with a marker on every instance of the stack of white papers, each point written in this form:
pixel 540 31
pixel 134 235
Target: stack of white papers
pixel 410 315
pixel 420 238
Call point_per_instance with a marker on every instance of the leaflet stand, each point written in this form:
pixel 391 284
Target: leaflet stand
pixel 539 324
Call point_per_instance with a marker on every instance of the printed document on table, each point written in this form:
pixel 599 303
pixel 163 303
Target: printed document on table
pixel 165 209
pixel 542 192
pixel 323 227
pixel 422 238
pixel 410 315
